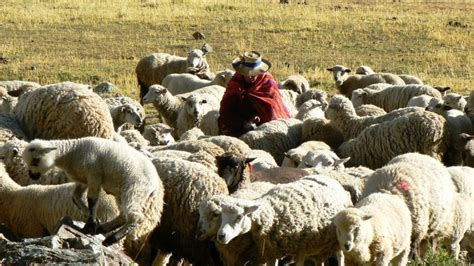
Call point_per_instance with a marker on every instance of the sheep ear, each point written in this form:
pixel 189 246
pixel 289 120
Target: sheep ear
pixel 49 149
pixel 329 69
pixel 206 48
pixel 250 209
pixel 341 161
pixel 367 217
pixel 347 70
pixel 183 98
pixel 287 155
pixel 250 159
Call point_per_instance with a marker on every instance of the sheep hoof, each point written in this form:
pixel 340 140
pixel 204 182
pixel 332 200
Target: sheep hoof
pixel 91 226
pixel 110 240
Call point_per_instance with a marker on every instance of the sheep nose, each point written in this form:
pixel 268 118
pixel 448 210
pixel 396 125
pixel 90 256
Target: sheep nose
pixel 34 176
pixel 220 237
pixel 347 246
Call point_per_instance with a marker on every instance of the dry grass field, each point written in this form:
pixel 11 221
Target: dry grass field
pixel 91 41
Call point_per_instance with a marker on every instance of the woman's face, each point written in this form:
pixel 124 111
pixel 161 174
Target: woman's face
pixel 249 79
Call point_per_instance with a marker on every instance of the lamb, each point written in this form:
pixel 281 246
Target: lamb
pixel 116 168
pixel 41 113
pixel 369 110
pixel 179 83
pixel 346 84
pixel 125 110
pixel 322 130
pixel 167 105
pixel 393 97
pixel 363 233
pixel 153 68
pixel 235 169
pixel 343 115
pixel 134 137
pixel 296 83
pixel 421 181
pixel 455 101
pixel 289 220
pixel 312 94
pixel 36 210
pixel 11 154
pixel 187 184
pixel 275 137
pixel 322 159
pixel 294 156
pixel 423 132
pixel 158 134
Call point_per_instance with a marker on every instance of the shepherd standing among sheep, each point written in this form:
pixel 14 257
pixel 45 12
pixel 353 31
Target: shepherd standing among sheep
pixel 118 169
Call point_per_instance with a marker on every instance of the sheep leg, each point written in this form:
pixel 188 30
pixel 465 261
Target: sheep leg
pixel 121 233
pixel 112 225
pixel 402 258
pixel 92 222
pixel 77 197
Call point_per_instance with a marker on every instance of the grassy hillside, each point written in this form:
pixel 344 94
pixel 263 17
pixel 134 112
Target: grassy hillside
pixel 93 41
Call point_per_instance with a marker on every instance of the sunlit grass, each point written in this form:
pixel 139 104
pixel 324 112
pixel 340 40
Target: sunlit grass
pixel 94 41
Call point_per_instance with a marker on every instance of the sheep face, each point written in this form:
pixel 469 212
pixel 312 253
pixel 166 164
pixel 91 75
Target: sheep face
pixel 209 219
pixel 159 134
pixel 155 92
pixel 39 157
pixel 196 106
pixel 196 59
pixel 230 167
pixel 455 101
pixel 340 73
pixel 358 97
pixel 322 159
pixel 235 219
pixel 350 225
pixel 131 114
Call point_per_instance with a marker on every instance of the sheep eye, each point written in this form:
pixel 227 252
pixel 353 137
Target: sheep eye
pixel 204 101
pixel 32 149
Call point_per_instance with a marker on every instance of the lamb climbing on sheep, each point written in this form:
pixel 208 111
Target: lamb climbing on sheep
pixel 95 164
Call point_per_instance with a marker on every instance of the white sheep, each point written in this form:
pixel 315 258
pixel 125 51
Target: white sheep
pixel 455 101
pixel 10 126
pixel 153 68
pixel 95 164
pixel 310 109
pixel 167 105
pixel 11 154
pixel 36 210
pixel 194 108
pixel 423 101
pixel 364 70
pixel 469 108
pixel 293 219
pixel 14 85
pixel 263 160
pixel 179 83
pixel 228 143
pixel 125 110
pixel 408 79
pixel 294 156
pixel 369 110
pixel 466 146
pixel 134 137
pixel 296 83
pixel 346 83
pixel 423 132
pixel 64 110
pixel 193 133
pixel 421 181
pixel 7 102
pixel 208 123
pixel 158 134
pixel 275 137
pixel 377 230
pixel 343 115
pixel 392 97
pixel 322 159
pixel 186 185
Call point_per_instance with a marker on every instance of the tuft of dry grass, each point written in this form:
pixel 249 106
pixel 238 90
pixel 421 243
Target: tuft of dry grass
pixel 92 41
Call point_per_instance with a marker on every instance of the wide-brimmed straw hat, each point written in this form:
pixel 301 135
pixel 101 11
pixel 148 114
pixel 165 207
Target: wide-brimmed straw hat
pixel 251 64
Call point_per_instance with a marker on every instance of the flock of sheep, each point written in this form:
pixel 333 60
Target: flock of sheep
pixel 376 175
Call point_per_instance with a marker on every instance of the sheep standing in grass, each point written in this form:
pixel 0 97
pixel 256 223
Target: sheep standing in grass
pixel 95 164
pixel 293 219
pixel 393 97
pixel 296 83
pixel 424 132
pixel 185 82
pixel 346 84
pixel 167 105
pixel 194 108
pixel 153 68
pixel 426 187
pixel 343 115
pixel 14 85
pixel 408 79
pixel 64 110
pixel 364 235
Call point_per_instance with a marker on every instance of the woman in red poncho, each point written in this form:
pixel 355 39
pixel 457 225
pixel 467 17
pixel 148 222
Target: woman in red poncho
pixel 252 96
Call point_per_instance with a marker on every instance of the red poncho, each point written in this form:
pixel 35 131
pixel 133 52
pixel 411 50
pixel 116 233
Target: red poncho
pixel 243 101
